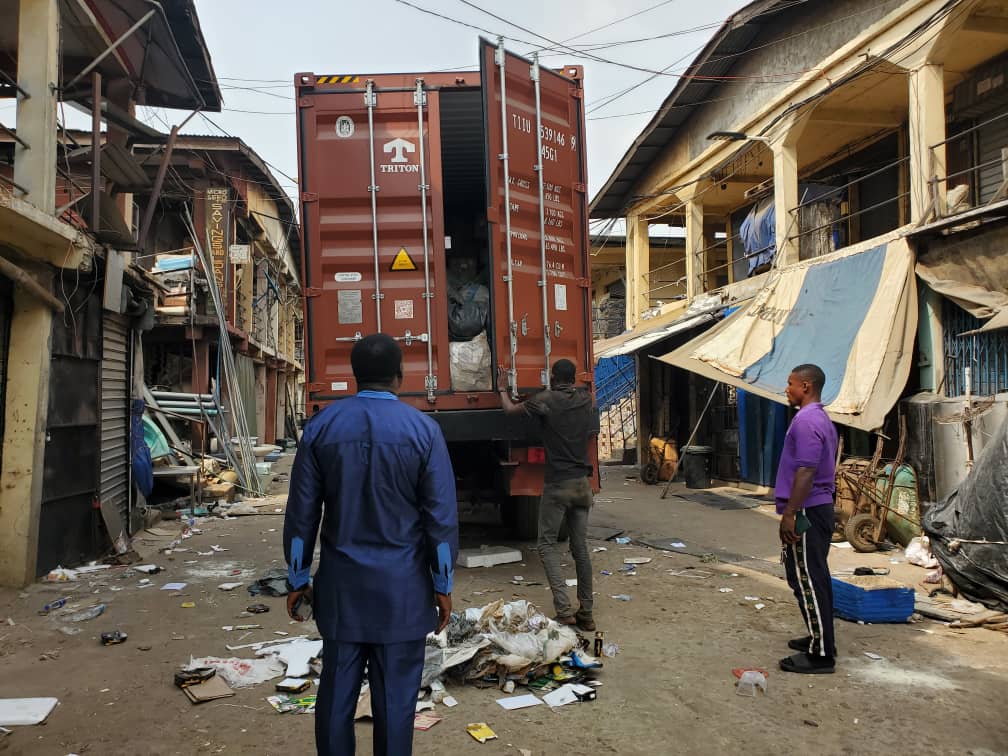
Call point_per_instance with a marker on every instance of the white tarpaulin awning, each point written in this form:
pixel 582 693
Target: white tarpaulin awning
pixel 853 313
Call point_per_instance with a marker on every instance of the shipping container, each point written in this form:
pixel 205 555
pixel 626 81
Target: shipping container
pixel 423 203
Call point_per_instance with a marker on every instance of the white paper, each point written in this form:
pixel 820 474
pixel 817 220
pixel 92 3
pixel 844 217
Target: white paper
pixel 25 711
pixel 519 702
pixel 173 586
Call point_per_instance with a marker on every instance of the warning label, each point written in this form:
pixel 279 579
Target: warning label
pixel 403 261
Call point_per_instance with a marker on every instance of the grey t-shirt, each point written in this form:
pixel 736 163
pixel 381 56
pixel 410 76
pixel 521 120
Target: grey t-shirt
pixel 568 421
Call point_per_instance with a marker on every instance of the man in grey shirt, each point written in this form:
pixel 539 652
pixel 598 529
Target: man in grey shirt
pixel 567 418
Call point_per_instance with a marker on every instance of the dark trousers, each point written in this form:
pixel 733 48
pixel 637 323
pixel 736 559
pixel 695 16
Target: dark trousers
pixel 394 672
pixel 570 501
pixel 809 577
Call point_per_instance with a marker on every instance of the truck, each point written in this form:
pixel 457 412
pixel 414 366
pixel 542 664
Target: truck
pixel 449 211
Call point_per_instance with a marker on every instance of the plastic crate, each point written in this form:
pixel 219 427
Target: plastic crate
pixel 872 598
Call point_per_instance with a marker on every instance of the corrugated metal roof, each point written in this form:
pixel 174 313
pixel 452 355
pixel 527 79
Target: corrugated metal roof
pixel 716 59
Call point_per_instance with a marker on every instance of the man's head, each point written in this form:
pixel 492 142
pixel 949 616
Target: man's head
pixel 563 373
pixel 805 385
pixel 377 363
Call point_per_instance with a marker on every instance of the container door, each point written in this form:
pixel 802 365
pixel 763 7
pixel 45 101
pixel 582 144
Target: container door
pixel 370 164
pixel 538 216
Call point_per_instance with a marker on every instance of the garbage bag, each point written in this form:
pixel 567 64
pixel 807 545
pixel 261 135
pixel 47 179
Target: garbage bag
pixel 976 511
pixel 468 306
pixel 470 364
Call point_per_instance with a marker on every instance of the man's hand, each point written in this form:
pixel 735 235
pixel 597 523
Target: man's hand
pixel 292 599
pixel 788 534
pixel 444 608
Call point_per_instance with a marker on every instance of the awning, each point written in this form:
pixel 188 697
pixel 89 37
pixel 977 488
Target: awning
pixel 853 313
pixel 637 339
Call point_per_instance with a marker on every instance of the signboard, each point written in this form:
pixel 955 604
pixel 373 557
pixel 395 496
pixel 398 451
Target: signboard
pixel 218 234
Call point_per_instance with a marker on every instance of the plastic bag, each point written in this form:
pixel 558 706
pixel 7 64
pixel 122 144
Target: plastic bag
pixel 470 364
pixel 468 307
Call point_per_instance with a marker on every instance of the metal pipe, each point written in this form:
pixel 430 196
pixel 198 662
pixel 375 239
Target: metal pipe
pixel 547 346
pixel 21 278
pixel 370 99
pixel 500 56
pixel 419 97
pixel 110 49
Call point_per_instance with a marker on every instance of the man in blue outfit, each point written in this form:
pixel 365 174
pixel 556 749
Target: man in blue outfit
pixel 375 473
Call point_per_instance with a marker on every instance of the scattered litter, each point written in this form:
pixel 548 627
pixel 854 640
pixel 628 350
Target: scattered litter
pixel 25 711
pixel 488 556
pixel 210 690
pixel 229 586
pixel 622 597
pixel 425 720
pixel 481 731
pixel 597 549
pixel 692 572
pixel 53 605
pixel 59 575
pixel 292 704
pixel 241 673
pixel 146 569
pixel 113 638
pixel 87 614
pixel 273 583
pixel 622 540
pixel 750 680
pixel 568 694
pixel 519 702
pixel 570 582
pixel 726 590
pixel 872 656
pixel 636 560
pixel 293 685
pixel 173 586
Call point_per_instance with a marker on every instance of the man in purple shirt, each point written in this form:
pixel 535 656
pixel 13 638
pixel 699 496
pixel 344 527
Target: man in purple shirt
pixel 804 494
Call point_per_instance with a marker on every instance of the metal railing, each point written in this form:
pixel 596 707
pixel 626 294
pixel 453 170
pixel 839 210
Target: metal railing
pixel 978 189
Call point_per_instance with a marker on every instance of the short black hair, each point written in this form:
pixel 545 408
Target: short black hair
pixel 564 372
pixel 813 374
pixel 376 358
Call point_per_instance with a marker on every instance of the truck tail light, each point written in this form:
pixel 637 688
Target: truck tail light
pixel 537 455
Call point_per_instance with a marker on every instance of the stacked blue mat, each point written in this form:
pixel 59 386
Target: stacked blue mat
pixel 852 602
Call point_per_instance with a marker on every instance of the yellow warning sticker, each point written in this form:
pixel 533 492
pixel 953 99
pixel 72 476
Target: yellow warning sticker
pixel 403 261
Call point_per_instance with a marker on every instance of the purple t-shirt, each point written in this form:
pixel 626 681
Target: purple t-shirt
pixel 811 441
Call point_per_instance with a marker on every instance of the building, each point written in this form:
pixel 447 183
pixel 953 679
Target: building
pixel 71 300
pixel 247 225
pixel 838 170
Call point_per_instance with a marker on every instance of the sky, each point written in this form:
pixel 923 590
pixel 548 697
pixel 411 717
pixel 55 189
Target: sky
pixel 258 45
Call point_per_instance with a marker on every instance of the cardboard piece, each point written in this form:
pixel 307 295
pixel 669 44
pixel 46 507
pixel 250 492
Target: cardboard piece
pixel 210 690
pixel 25 711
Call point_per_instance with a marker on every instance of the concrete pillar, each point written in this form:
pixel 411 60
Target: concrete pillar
pixel 638 264
pixel 37 63
pixel 786 226
pixel 24 438
pixel 927 128
pixel 695 245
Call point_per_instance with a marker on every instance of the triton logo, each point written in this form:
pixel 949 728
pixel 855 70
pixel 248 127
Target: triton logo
pixel 399 146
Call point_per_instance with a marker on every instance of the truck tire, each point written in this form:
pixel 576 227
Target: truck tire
pixel 525 516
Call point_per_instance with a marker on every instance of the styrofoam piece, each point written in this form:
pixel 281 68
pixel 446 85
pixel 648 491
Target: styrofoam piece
pixel 488 556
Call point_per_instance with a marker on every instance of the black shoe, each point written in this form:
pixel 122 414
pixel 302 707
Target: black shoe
pixel 806 664
pixel 800 644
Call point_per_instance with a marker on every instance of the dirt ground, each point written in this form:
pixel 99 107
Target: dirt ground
pixel 669 690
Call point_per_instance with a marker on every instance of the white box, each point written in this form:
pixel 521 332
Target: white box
pixel 488 556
